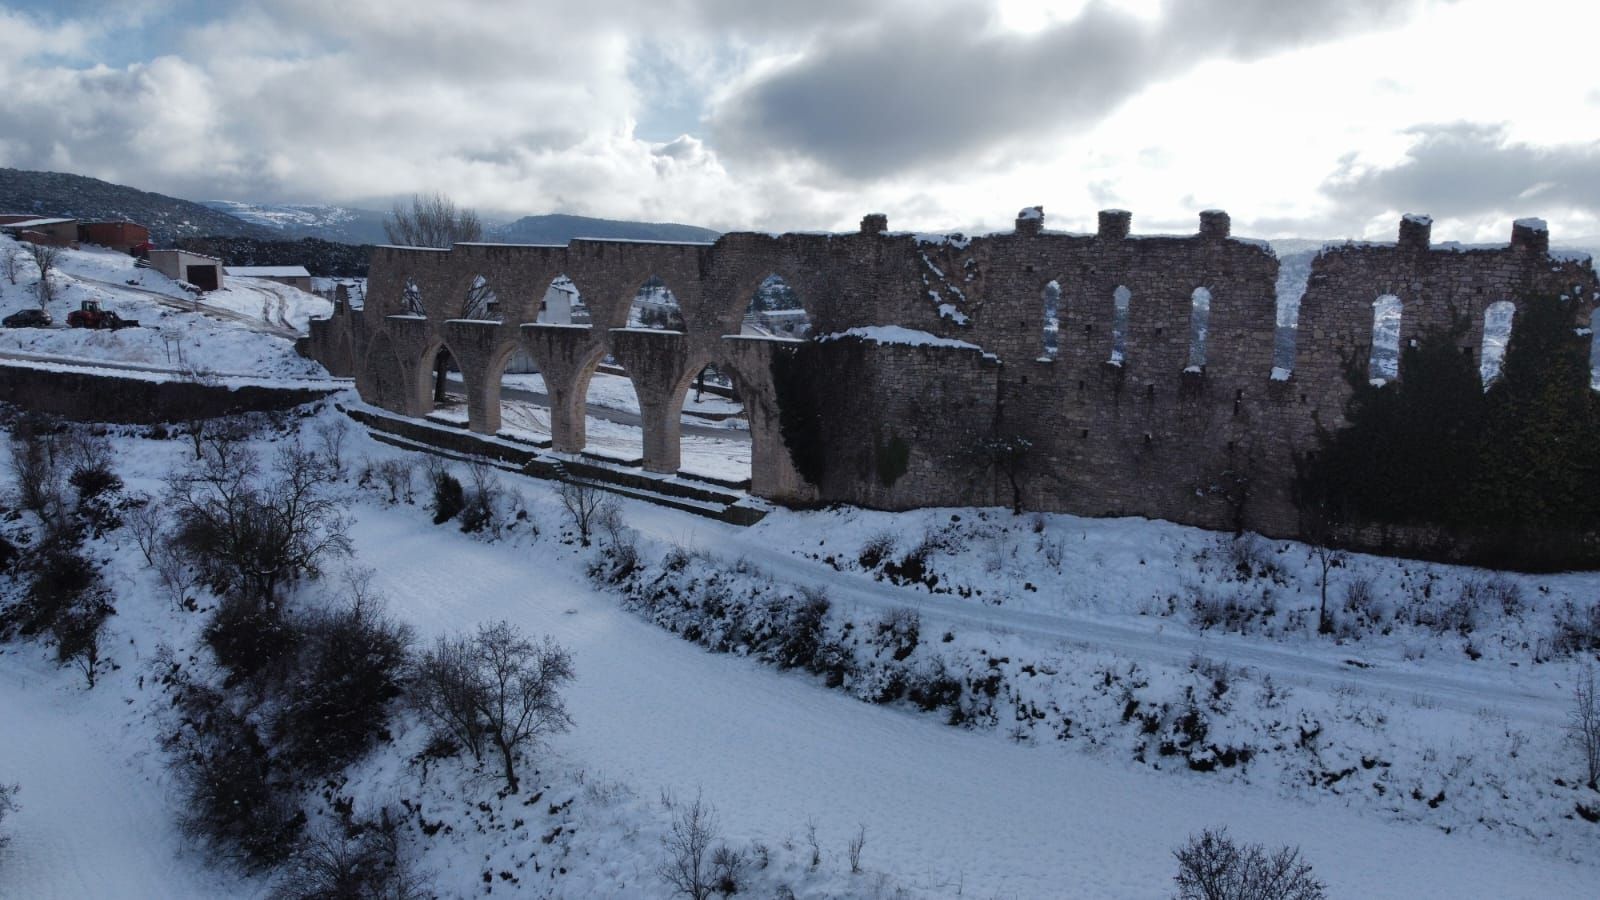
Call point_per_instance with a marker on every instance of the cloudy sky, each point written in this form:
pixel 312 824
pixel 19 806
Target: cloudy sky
pixel 1310 118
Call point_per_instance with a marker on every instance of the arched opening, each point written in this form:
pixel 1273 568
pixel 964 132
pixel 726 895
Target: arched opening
pixel 1594 350
pixel 1496 335
pixel 1050 338
pixel 654 306
pixel 612 423
pixel 480 302
pixel 1383 364
pixel 562 304
pixel 775 311
pixel 1294 273
pixel 714 435
pixel 1199 327
pixel 411 299
pixel 1121 301
pixel 440 389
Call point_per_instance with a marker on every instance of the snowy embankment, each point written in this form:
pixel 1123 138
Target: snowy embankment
pixel 1010 807
pixel 253 341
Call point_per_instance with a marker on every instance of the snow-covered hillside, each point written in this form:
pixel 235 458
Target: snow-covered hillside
pixel 1459 782
pixel 246 329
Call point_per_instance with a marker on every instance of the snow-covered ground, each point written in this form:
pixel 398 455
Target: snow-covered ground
pixel 977 811
pixel 254 342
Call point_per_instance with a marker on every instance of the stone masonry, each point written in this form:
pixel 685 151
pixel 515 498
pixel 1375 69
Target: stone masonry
pixel 897 424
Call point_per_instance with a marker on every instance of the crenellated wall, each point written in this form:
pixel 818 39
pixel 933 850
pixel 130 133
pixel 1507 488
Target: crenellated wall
pixel 1129 425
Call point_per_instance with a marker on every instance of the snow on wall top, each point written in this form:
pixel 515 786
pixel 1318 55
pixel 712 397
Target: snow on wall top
pixel 901 336
pixel 1534 224
pixel 1418 218
pixel 267 271
pixel 1031 212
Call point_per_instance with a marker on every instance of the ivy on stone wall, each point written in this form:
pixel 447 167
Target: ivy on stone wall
pixel 798 382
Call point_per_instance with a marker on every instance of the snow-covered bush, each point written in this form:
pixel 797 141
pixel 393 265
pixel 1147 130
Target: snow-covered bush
pixel 1212 867
pixel 689 867
pixel 448 497
pixel 585 505
pixel 350 667
pixel 877 549
pixel 36 466
pixel 482 501
pixel 394 475
pixel 250 640
pixel 355 859
pixel 235 801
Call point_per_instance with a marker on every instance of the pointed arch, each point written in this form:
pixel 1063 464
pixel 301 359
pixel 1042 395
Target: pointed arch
pixel 655 306
pixel 480 302
pixel 411 298
pixel 776 310
pixel 562 304
pixel 430 386
pixel 714 440
pixel 1383 360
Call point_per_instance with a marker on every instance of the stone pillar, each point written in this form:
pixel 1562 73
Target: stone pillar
pixel 657 363
pixel 475 346
pixel 566 355
pixel 1030 221
pixel 874 223
pixel 1416 232
pixel 1215 224
pixel 1531 235
pixel 772 472
pixel 1114 224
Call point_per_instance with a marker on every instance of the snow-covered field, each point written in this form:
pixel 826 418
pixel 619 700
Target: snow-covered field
pixel 170 338
pixel 1009 809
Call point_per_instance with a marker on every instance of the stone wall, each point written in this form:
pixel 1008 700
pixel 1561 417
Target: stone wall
pixel 1135 424
pixel 97 395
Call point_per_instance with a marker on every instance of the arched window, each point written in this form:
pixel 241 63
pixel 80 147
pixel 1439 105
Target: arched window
pixel 1121 300
pixel 411 299
pixel 1383 365
pixel 1496 335
pixel 1199 326
pixel 480 301
pixel 1051 338
pixel 562 304
pixel 775 311
pixel 654 306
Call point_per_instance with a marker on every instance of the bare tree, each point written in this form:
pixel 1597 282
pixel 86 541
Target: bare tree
pixel 497 687
pixel 1584 725
pixel 11 262
pixel 1316 529
pixel 586 505
pixel 432 221
pixel 688 866
pixel 856 844
pixel 364 860
pixel 45 258
pixel 1212 867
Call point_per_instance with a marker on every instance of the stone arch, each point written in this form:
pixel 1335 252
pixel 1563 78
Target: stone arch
pixel 714 403
pixel 1121 306
pixel 1497 323
pixel 479 302
pixel 1383 359
pixel 1199 328
pixel 655 306
pixel 430 377
pixel 411 298
pixel 620 442
pixel 776 310
pixel 384 376
pixel 1050 330
pixel 562 303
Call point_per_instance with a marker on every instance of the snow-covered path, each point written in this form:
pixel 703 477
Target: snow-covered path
pixel 90 825
pixel 947 810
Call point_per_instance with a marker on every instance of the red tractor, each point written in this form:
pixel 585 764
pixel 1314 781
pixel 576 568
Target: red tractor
pixel 90 315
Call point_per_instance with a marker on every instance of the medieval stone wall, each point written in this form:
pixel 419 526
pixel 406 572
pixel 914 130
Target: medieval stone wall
pixel 1122 418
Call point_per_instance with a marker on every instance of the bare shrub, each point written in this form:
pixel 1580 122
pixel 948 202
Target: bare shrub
pixel 854 849
pixel 1576 628
pixel 362 859
pixel 621 543
pixel 175 573
pixel 583 502
pixel 688 843
pixel 331 436
pixel 499 688
pixel 728 868
pixel 1212 867
pixel 878 548
pixel 1583 726
pixel 36 465
pixel 449 497
pixel 392 475
pixel 813 843
pixel 11 262
pixel 481 505
pixel 145 523
pixel 898 632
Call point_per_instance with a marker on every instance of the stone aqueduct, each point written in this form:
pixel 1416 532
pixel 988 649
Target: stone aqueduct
pixel 864 420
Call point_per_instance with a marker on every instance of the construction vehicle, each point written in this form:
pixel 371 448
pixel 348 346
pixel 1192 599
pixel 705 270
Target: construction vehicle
pixel 90 315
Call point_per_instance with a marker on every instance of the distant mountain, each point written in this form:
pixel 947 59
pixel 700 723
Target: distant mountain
pixel 80 197
pixel 346 225
pixel 559 229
